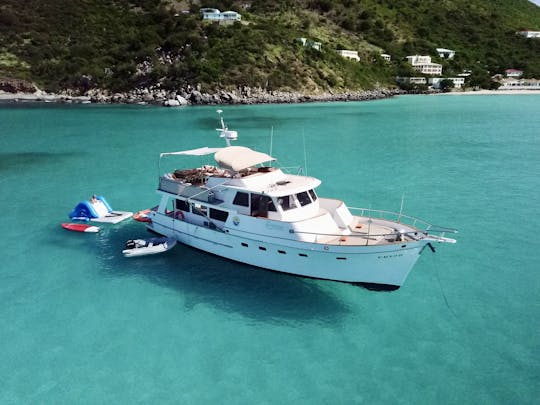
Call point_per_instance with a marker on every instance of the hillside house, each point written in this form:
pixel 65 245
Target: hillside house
pixel 411 80
pixel 529 34
pixel 446 53
pixel 386 57
pixel 424 65
pixel 310 43
pixel 349 54
pixel 519 84
pixel 213 14
pixel 513 73
pixel 435 82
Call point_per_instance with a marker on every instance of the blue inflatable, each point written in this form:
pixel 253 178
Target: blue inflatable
pixel 86 210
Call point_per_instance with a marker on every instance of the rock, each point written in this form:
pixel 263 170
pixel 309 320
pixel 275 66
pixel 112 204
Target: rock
pixel 17 86
pixel 148 97
pixel 181 100
pixel 195 97
pixel 171 103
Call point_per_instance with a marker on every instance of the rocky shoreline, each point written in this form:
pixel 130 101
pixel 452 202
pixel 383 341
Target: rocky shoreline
pixel 21 91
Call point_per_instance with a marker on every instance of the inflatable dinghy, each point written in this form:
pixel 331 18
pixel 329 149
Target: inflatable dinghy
pixel 143 247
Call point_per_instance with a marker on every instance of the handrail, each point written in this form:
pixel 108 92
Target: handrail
pixel 398 217
pixel 367 236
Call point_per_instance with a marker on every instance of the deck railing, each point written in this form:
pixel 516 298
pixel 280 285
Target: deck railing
pixel 401 218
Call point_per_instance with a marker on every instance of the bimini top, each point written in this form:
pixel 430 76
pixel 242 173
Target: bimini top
pixel 237 158
pixel 192 152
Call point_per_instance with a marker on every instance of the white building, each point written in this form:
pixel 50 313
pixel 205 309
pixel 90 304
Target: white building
pixel 530 34
pixel 423 64
pixel 446 53
pixel 213 14
pixel 386 57
pixel 513 73
pixel 435 82
pixel 349 54
pixel 310 43
pixel 519 84
pixel 411 80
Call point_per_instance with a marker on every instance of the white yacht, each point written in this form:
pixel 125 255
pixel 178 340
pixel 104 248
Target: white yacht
pixel 246 209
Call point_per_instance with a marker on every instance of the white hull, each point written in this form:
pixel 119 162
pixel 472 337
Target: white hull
pixel 385 264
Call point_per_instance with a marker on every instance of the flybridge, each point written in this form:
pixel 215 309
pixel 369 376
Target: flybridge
pixel 232 158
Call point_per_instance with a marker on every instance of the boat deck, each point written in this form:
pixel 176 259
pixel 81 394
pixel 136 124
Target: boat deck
pixel 367 233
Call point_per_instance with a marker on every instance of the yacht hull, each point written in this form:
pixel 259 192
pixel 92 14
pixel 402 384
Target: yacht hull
pixel 387 265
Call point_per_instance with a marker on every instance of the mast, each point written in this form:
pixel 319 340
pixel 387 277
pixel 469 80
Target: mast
pixel 225 133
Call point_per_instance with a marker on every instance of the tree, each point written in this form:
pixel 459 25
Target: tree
pixel 446 85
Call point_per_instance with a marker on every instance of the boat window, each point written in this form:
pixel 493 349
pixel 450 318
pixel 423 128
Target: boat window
pixel 303 198
pixel 255 204
pixel 287 202
pixel 241 199
pixel 182 205
pixel 218 214
pixel 313 195
pixel 260 205
pixel 198 209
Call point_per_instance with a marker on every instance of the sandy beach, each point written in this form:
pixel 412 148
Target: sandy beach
pixel 39 96
pixel 489 92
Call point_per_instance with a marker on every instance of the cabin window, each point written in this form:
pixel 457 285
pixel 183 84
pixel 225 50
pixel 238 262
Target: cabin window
pixel 218 215
pixel 260 205
pixel 199 209
pixel 241 199
pixel 303 198
pixel 182 205
pixel 287 202
pixel 255 204
pixel 313 195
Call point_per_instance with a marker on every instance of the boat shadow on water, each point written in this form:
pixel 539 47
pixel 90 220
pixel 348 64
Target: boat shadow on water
pixel 202 278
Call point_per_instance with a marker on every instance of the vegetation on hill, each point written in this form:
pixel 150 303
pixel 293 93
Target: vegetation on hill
pixel 123 44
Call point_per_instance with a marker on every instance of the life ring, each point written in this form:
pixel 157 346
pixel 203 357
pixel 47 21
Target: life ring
pixel 179 215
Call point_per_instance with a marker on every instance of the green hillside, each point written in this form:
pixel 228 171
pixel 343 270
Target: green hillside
pixel 125 44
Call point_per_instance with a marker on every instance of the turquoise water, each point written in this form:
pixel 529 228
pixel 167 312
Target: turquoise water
pixel 82 324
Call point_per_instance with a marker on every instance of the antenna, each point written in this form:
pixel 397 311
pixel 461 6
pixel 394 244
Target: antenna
pixel 271 141
pixel 225 133
pixel 401 207
pixel 305 156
